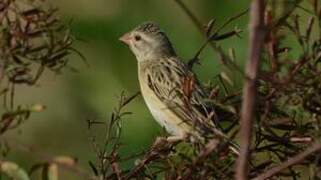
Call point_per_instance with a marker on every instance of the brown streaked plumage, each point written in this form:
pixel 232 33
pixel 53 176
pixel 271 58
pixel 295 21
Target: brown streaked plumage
pixel 162 77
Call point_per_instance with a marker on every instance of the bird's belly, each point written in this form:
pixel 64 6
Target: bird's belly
pixel 164 116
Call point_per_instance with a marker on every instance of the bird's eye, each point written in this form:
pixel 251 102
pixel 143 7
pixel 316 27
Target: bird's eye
pixel 137 37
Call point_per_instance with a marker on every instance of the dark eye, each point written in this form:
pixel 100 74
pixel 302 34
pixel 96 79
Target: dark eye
pixel 138 37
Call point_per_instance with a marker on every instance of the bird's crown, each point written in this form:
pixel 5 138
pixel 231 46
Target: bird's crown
pixel 149 27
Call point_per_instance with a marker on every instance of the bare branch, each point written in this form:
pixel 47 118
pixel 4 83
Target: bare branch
pixel 257 35
pixel 1 69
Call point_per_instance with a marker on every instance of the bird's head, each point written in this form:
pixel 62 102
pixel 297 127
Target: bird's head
pixel 148 42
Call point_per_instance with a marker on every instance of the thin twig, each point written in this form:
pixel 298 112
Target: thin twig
pixel 160 148
pixel 1 69
pixel 225 59
pixel 290 162
pixel 194 19
pixel 257 34
pixel 231 19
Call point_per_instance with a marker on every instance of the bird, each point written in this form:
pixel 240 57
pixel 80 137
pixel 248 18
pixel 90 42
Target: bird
pixel 171 90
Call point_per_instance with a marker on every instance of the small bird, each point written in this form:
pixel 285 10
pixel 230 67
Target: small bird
pixel 170 89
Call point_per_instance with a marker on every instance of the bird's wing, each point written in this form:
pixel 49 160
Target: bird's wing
pixel 178 88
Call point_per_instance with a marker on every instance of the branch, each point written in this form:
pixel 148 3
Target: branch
pixel 194 19
pixel 159 149
pixel 1 68
pixel 290 162
pixel 257 34
pixel 224 58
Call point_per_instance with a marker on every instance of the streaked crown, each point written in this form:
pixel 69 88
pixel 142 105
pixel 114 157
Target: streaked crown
pixel 149 27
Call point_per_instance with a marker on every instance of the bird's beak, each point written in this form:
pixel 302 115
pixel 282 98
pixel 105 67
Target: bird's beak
pixel 125 38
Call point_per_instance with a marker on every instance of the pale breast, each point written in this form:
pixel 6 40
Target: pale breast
pixel 162 114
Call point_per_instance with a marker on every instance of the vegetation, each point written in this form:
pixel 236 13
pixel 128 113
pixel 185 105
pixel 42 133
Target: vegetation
pixel 276 116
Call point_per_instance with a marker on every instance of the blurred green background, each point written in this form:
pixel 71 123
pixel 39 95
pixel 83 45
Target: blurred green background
pixel 71 98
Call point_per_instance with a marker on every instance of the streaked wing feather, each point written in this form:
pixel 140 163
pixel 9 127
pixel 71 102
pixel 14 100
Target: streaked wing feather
pixel 166 79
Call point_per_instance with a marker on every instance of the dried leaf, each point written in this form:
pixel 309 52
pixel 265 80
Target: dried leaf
pixel 65 160
pixel 226 78
pixel 52 172
pixel 13 171
pixel 209 27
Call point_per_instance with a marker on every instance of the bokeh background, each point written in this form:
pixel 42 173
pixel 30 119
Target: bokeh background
pixel 91 93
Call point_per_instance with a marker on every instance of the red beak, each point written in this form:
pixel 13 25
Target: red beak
pixel 125 38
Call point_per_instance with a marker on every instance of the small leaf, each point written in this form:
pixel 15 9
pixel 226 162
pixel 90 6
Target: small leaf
pixel 52 171
pixel 13 171
pixel 231 52
pixel 309 28
pixel 36 167
pixel 226 78
pixel 209 27
pixel 37 108
pixel 65 160
pixel 93 168
pixel 129 99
